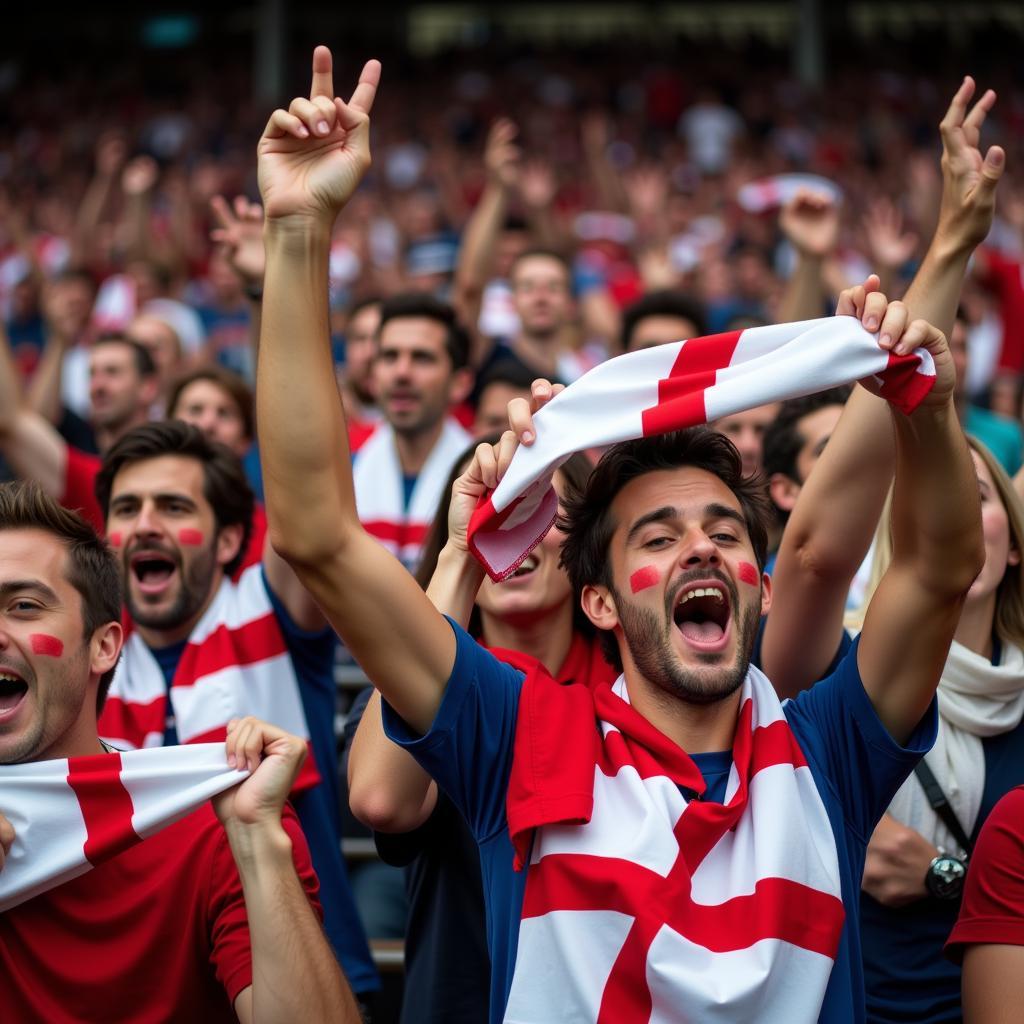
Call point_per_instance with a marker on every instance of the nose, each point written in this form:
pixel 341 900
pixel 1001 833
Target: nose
pixel 147 523
pixel 699 550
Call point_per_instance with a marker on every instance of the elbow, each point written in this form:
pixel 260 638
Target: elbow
pixel 304 549
pixel 820 560
pixel 380 810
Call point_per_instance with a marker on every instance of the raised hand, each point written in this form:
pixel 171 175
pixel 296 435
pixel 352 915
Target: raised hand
pixel 111 152
pixel 501 154
pixel 313 155
pixel 274 758
pixel 538 185
pixel 811 223
pixel 968 179
pixel 139 176
pixel 889 246
pixel 240 230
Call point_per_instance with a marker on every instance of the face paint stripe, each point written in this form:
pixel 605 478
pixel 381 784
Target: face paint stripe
pixel 43 643
pixel 748 573
pixel 643 578
pixel 115 539
pixel 191 537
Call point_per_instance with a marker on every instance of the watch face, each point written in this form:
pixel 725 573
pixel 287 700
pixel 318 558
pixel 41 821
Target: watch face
pixel 945 878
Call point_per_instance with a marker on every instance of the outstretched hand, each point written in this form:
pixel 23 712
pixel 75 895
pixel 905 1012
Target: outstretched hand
pixel 968 179
pixel 899 334
pixel 313 155
pixel 490 461
pixel 240 231
pixel 810 221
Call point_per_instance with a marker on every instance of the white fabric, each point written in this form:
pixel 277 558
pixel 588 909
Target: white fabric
pixel 377 479
pixel 976 699
pixel 565 957
pixel 50 830
pixel 267 688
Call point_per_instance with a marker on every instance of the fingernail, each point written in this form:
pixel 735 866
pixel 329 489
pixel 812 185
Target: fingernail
pixel 323 127
pixel 885 340
pixel 527 436
pixel 871 323
pixel 303 131
pixel 231 760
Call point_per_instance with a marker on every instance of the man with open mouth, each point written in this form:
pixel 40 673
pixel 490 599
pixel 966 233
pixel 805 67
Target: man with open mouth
pixel 675 845
pixel 205 920
pixel 205 647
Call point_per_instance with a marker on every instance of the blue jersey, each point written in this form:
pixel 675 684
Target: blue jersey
pixel 856 766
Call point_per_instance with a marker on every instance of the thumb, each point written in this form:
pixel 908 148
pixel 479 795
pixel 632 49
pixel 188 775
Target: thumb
pixel 992 168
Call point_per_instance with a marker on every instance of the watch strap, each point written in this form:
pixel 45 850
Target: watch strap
pixel 941 805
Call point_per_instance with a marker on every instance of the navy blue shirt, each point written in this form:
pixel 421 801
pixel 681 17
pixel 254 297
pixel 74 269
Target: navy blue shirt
pixel 908 978
pixel 312 655
pixel 856 766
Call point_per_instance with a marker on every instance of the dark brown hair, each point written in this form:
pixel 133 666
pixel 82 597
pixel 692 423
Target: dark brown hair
pixel 230 383
pixel 224 484
pixel 91 566
pixel 587 519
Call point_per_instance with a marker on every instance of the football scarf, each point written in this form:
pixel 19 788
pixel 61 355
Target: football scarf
pixel 72 814
pixel 236 663
pixel 641 899
pixel 670 387
pixel 380 502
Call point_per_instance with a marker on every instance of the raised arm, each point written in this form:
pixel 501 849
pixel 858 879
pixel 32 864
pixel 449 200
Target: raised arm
pixel 295 976
pixel 830 529
pixel 311 159
pixel 810 223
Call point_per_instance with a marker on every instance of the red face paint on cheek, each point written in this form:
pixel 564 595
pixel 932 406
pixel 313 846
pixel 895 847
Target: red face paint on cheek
pixel 191 537
pixel 115 539
pixel 644 578
pixel 43 643
pixel 748 574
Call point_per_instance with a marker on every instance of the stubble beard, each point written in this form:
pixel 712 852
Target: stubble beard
pixel 193 588
pixel 649 640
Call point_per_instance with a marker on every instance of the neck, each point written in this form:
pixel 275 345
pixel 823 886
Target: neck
pixel 540 353
pixel 415 449
pixel 974 631
pixel 694 728
pixel 157 638
pixel 81 740
pixel 109 434
pixel 546 637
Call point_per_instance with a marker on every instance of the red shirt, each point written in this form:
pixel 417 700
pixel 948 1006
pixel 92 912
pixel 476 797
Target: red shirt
pixel 993 906
pixel 159 933
pixel 80 486
pixel 1006 278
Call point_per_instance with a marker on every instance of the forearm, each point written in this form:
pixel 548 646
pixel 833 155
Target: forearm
pixel 387 790
pixel 936 520
pixel 804 294
pixel 309 501
pixel 44 392
pixel 476 253
pixel 295 976
pixel 934 294
pixel 455 584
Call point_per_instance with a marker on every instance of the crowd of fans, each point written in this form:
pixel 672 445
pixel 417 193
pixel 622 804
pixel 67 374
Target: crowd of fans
pixel 520 222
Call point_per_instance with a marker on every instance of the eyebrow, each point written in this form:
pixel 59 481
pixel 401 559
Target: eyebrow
pixel 36 586
pixel 659 515
pixel 161 496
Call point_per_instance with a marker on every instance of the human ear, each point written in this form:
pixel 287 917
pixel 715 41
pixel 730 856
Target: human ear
pixel 598 605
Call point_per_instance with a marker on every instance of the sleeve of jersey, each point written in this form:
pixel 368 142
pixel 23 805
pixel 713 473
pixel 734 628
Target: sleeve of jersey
pixel 468 750
pixel 229 923
pixel 79 486
pixel 842 733
pixel 993 906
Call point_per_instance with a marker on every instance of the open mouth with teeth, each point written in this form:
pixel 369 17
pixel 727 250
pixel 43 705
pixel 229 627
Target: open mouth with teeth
pixel 528 567
pixel 153 571
pixel 12 692
pixel 702 616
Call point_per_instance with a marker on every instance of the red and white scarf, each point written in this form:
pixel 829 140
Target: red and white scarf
pixel 670 387
pixel 643 905
pixel 236 663
pixel 380 501
pixel 72 814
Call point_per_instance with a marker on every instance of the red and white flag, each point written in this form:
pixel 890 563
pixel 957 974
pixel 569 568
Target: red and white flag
pixel 670 387
pixel 72 814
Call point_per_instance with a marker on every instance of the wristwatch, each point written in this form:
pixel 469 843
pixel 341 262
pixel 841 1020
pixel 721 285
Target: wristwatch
pixel 945 877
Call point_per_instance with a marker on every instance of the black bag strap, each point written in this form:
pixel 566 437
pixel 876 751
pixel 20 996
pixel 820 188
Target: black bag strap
pixel 941 806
